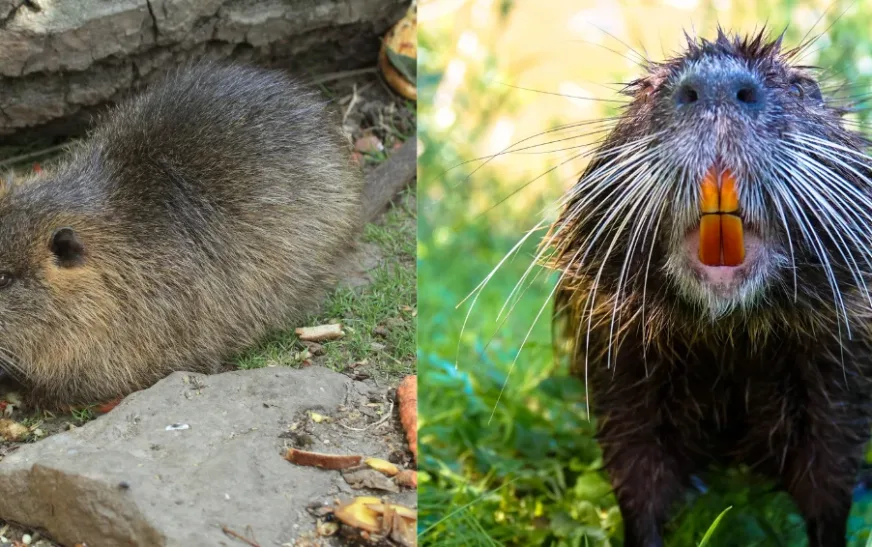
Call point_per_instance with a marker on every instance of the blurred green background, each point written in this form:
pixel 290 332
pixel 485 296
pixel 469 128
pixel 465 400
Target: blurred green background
pixel 525 471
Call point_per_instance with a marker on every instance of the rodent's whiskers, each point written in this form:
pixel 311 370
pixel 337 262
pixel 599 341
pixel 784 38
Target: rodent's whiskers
pixel 9 363
pixel 607 124
pixel 807 42
pixel 617 163
pixel 567 96
pixel 617 150
pixel 634 178
pixel 639 181
pixel 840 209
pixel 813 240
pixel 643 226
pixel 784 223
pixel 546 245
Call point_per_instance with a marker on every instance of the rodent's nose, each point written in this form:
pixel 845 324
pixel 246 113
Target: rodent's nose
pixel 711 88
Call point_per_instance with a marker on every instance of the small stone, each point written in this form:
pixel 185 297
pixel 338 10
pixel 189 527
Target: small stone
pixel 369 144
pixel 12 431
pixel 314 347
pixel 369 478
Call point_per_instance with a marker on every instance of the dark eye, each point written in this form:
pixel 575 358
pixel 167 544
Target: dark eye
pixel 803 88
pixel 5 279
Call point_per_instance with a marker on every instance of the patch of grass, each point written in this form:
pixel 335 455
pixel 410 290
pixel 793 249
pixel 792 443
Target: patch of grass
pixel 84 415
pixel 379 319
pixel 375 158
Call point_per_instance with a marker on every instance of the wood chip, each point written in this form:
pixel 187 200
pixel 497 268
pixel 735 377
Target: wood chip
pixel 407 478
pixel 357 515
pixel 407 394
pixel 320 332
pixel 382 466
pixel 324 461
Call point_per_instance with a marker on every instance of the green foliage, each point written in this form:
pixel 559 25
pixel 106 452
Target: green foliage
pixel 406 65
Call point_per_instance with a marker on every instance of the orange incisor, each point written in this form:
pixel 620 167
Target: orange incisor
pixel 721 234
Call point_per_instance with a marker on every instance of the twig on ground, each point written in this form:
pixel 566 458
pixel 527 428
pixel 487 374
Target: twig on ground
pixel 228 532
pixel 407 395
pixel 374 424
pixel 323 461
pixel 354 99
pixel 388 179
pixel 33 155
pixel 333 76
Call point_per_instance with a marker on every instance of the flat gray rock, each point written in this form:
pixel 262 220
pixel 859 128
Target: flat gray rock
pixel 174 464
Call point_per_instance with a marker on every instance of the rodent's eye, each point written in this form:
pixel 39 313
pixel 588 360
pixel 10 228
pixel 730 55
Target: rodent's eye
pixel 802 88
pixel 5 279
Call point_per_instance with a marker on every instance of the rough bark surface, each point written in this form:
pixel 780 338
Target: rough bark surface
pixel 61 61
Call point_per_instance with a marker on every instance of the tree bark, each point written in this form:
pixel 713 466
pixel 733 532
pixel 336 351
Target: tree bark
pixel 60 62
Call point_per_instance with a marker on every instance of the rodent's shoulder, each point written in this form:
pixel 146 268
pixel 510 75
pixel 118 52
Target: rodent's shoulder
pixel 218 125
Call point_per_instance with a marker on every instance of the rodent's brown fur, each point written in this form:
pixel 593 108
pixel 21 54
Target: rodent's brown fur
pixel 204 213
pixel 773 382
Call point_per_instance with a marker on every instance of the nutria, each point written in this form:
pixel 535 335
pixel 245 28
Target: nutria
pixel 195 218
pixel 714 260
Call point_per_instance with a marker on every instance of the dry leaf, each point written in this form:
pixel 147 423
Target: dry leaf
pixel 324 461
pixel 382 466
pixel 407 478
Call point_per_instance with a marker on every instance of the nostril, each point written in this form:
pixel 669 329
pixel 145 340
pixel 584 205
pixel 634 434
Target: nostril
pixel 748 95
pixel 686 94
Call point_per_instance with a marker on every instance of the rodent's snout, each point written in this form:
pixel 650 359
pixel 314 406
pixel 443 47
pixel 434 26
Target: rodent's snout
pixel 709 87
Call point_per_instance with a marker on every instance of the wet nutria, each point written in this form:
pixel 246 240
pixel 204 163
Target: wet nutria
pixel 715 258
pixel 194 219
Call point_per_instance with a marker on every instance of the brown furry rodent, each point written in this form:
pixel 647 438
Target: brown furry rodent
pixel 195 218
pixel 715 258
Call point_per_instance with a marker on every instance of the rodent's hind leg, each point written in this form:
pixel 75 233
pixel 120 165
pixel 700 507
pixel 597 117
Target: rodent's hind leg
pixel 823 497
pixel 825 431
pixel 648 479
pixel 821 481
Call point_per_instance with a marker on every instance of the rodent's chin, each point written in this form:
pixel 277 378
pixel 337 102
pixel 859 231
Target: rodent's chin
pixel 721 288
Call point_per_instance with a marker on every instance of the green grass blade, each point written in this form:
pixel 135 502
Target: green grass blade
pixel 711 530
pixel 463 507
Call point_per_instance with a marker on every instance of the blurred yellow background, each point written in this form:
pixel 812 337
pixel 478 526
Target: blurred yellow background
pixel 583 49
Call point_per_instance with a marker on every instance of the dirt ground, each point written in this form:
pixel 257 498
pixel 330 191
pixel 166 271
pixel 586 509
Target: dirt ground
pixel 376 121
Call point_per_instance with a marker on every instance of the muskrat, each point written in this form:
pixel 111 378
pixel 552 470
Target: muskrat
pixel 193 219
pixel 714 264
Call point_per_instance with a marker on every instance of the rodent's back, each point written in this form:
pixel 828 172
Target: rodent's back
pixel 211 209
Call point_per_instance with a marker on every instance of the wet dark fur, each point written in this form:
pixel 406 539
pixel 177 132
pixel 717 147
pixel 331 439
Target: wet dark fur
pixel 201 214
pixel 777 385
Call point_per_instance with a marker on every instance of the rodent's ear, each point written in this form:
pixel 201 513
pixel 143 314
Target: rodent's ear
pixel 67 248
